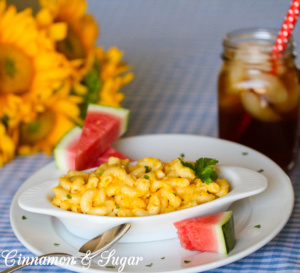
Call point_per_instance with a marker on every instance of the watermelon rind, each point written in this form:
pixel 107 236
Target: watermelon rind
pixel 60 149
pixel 119 112
pixel 225 233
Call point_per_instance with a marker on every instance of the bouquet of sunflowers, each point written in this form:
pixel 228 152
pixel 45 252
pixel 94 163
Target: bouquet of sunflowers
pixel 50 70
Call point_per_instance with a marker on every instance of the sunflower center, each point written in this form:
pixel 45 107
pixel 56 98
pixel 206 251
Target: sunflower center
pixel 10 68
pixel 37 130
pixel 16 70
pixel 72 46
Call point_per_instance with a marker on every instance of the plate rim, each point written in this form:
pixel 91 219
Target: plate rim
pixel 216 264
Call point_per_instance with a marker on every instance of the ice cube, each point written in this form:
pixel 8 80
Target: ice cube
pixel 267 85
pixel 272 87
pixel 236 74
pixel 258 107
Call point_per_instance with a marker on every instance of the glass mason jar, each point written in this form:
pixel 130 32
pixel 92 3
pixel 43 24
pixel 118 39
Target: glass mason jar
pixel 258 94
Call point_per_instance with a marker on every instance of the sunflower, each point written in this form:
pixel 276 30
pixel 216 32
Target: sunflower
pixel 7 146
pixel 82 30
pixel 50 70
pixel 114 75
pixel 96 75
pixel 32 76
pixel 60 113
pixel 75 33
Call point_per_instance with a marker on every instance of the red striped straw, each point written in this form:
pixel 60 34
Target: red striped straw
pixel 287 27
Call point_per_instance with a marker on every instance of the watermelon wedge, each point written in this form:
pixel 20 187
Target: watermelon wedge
pixel 65 150
pixel 210 233
pixel 110 152
pixel 103 125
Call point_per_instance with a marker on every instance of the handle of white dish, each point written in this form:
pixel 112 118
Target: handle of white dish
pixel 33 261
pixel 250 182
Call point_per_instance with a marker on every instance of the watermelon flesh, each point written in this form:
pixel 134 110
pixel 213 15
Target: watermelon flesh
pixel 65 152
pixel 102 126
pixel 210 233
pixel 110 152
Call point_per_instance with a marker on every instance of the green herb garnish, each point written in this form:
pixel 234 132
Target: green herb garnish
pixel 24 217
pixel 146 176
pixel 186 261
pixel 147 169
pixel 69 196
pixel 100 173
pixel 260 171
pixel 117 207
pixel 174 194
pixel 257 226
pixel 149 265
pixel 203 169
pixel 244 153
pixel 56 244
pixel 163 258
pixel 182 155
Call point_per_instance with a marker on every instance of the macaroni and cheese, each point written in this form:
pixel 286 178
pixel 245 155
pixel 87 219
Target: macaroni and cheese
pixel 150 187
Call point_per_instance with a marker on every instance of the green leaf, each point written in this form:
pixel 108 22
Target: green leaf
pixel 93 83
pixel 203 169
pixel 187 164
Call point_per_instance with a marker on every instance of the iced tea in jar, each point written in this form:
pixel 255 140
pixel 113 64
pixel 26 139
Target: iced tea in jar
pixel 258 94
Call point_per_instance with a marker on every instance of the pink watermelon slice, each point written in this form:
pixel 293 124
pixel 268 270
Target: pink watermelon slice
pixel 110 152
pixel 210 233
pixel 102 126
pixel 65 151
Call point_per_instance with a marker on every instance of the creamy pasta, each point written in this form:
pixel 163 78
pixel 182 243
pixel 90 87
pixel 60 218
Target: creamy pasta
pixel 149 187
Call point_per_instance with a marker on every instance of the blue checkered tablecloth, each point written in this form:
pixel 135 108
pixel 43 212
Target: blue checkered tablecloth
pixel 174 48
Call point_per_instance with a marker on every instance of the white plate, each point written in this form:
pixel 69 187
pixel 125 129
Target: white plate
pixel 39 233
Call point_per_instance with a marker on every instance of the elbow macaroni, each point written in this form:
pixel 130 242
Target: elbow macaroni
pixel 148 188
